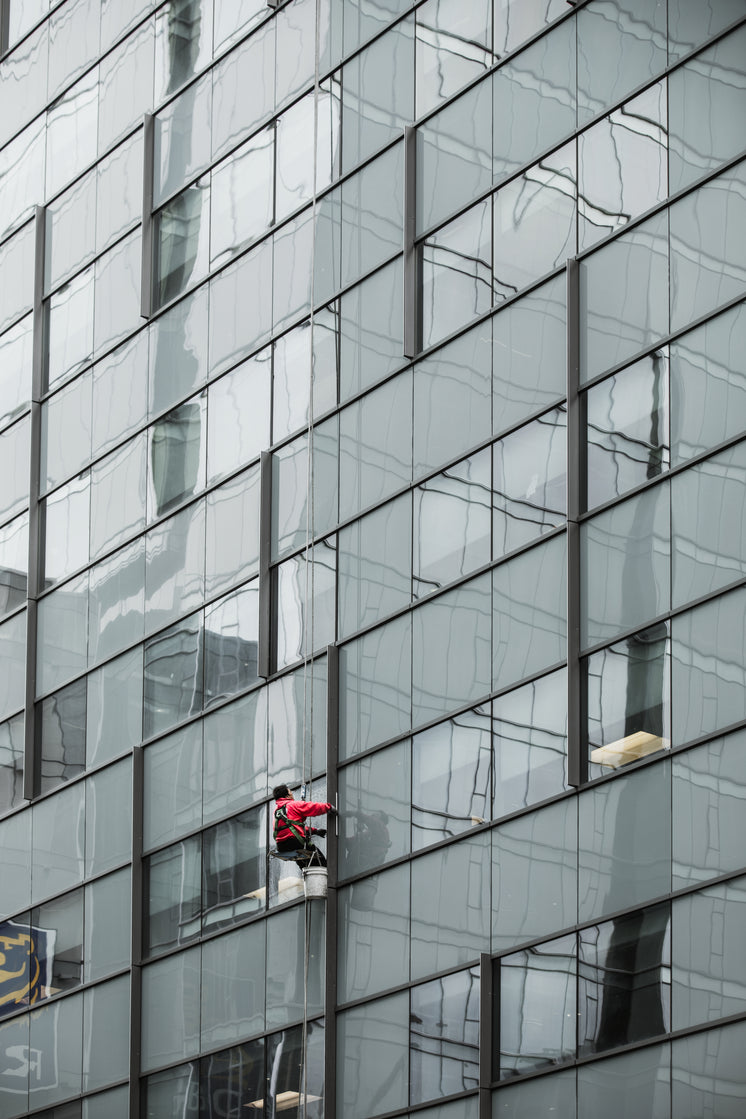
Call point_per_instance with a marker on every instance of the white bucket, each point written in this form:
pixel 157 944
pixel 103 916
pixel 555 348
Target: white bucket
pixel 314 878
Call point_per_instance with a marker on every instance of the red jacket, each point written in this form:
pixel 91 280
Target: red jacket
pixel 297 811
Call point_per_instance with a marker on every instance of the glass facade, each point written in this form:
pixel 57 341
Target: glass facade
pixel 373 420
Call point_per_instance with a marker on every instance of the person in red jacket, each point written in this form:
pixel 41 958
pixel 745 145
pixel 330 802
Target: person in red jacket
pixel 290 831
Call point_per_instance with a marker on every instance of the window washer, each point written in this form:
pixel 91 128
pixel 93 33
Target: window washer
pixel 291 832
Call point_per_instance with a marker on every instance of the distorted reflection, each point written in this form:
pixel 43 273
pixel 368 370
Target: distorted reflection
pixel 233 869
pixel 628 423
pixel 11 762
pixel 444 1036
pixel 173 896
pixel 451 776
pixel 182 249
pixel 456 273
pixel 452 48
pixel 624 980
pixel 13 564
pixel 451 524
pixel 63 732
pixel 306 593
pixel 537 1007
pixel 629 704
pixel 530 741
pixel 529 482
pixel 177 455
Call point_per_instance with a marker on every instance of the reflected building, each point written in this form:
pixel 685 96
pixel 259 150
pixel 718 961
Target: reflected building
pixel 373 420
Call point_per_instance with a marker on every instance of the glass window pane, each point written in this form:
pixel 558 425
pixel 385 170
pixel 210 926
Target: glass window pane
pixel 232 532
pixel 456 273
pixel 708 528
pixel 113 1104
pixel 107 925
pixel 691 24
pixel 637 1083
pixel 241 307
pixel 15 367
pixel 70 233
pixel 17 270
pixel 627 429
pixel 708 675
pixel 174 566
pixel 529 482
pixel 530 729
pixel 708 258
pixel 57 1037
pixel 238 416
pixel 58 851
pixel 374 934
pixel 15 835
pixel 708 383
pixel 450 905
pixel 294 173
pixel 106 1034
pixel 372 215
pixel 291 385
pixel 297 1069
pixel 377 94
pixel 452 47
pixel 709 784
pixel 622 167
pixel 529 613
pixel 629 700
pixel 126 90
pixel 108 835
pixel 624 844
pixel 374 565
pixel 118 496
pixel 707 99
pixel 172 897
pixel 375 687
pixel 177 455
pixel 12 754
pixel 63 726
pixel 233 988
pixel 707 1072
pixel 231 642
pixel 618 49
pixel 172 786
pixel 371 330
pixel 114 721
pixel 241 197
pixel 626 565
pixel 66 519
pixel 235 755
pixel 178 352
pixel 623 294
pixel 306 603
pixel 444 1036
pixel 182 242
pixel 451 650
pixel 295 988
pixel 59 926
pixel 170 1009
pixel 120 393
pixel 15 1088
pixel 297 723
pixel 234 861
pixel 624 980
pixel 542 1098
pixel 66 432
pixel 534 100
pixel 707 974
pixel 116 601
pixel 454 152
pixel 62 634
pixel 374 810
pixel 14 468
pixel 178 1088
pixel 537 1007
pixel 452 524
pixel 528 344
pixel 372 1078
pixel 451 778
pixel 182 138
pixel 292 271
pixel 117 304
pixel 534 218
pixel 455 381
pixel 534 875
pixel 119 195
pixel 375 446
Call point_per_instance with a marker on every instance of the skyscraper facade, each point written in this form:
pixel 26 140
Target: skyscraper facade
pixel 373 420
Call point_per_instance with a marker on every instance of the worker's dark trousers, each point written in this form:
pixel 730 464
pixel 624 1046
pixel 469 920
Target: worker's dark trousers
pixel 307 855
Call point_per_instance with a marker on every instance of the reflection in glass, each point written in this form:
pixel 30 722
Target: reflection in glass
pixel 15 367
pixel 59 925
pixel 374 810
pixel 372 1065
pixel 368 321
pixel 173 896
pixel 451 778
pixel 374 559
pixel 177 456
pixel 118 495
pixel 56 1034
pixel 707 975
pixel 173 676
pixel 232 532
pixel 175 564
pixel 619 48
pixel 294 170
pixel 374 934
pixel 297 723
pixel 529 482
pixel 537 1007
pixel 707 1072
pixel 627 426
pixel 178 352
pixel 229 1082
pixel 62 634
pixel 66 518
pixel 377 94
pixel 231 641
pixel 116 601
pixel 452 47
pixel 13 564
pixel 235 755
pixel 233 869
pixel 629 699
pixel 456 273
pixel 444 1036
pixel 242 197
pixel 624 980
pixel 63 726
pixel 451 524
pixel 291 381
pixel 11 762
pixel 172 783
pixel 126 83
pixel 622 166
pixel 182 138
pixel 57 858
pixel 375 446
pixel 182 242
pixel 178 1088
pixel 241 307
pixel 70 327
pixel 306 602
pixel 294 1081
pixel 635 1083
pixel 530 729
pixel 534 223
pixel 238 415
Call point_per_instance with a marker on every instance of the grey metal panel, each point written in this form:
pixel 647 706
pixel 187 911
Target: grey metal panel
pixel 576 759
pixel 264 654
pixel 138 768
pixel 148 165
pixel 485 1035
pixel 330 1000
pixel 412 303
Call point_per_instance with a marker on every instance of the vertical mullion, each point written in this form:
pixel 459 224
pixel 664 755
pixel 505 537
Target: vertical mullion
pixel 264 659
pixel 411 285
pixel 485 1036
pixel 4 27
pixel 330 994
pixel 136 943
pixel 577 762
pixel 148 171
pixel 31 760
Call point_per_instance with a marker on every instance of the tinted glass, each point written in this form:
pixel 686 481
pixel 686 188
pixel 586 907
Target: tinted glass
pixel 451 777
pixel 537 1007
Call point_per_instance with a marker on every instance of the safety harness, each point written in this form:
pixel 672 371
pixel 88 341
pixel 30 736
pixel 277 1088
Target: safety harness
pixel 281 820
